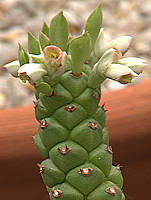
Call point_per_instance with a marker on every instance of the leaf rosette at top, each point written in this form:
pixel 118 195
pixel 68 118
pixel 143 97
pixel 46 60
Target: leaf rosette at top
pixel 48 56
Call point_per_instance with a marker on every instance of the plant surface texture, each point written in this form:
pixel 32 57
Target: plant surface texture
pixel 66 73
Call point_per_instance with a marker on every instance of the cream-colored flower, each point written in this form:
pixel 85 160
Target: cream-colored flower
pixel 32 72
pixel 136 64
pixel 101 44
pixel 13 67
pixel 120 73
pixel 122 43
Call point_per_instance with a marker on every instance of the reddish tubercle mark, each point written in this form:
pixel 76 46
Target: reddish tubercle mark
pixel 56 193
pixel 96 96
pixel 109 149
pixel 93 125
pixel 41 168
pixel 72 74
pixel 103 107
pixel 70 108
pixel 33 140
pixel 111 190
pixel 64 150
pixel 52 95
pixel 85 171
pixel 43 124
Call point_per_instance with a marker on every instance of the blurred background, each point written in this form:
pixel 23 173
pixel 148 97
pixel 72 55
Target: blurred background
pixel 17 17
pixel 130 122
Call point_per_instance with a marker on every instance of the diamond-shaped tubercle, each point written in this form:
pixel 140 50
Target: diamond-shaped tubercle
pixel 88 134
pixel 61 96
pixel 51 175
pixel 106 191
pixel 87 100
pixel 40 111
pixel 115 176
pixel 53 133
pixel 73 158
pixel 85 183
pixel 70 119
pixel 101 158
pixel 66 191
pixel 77 84
pixel 100 116
pixel 40 146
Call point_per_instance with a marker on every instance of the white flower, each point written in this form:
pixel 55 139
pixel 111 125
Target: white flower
pixel 101 44
pixel 36 58
pixel 120 73
pixel 122 43
pixel 136 64
pixel 110 56
pixel 32 72
pixel 13 67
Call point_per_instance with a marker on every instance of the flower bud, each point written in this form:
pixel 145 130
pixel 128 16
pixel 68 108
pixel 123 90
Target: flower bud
pixel 122 43
pixel 136 64
pixel 111 55
pixel 108 57
pixel 55 60
pixel 31 72
pixel 36 58
pixel 53 54
pixel 101 44
pixel 13 68
pixel 120 73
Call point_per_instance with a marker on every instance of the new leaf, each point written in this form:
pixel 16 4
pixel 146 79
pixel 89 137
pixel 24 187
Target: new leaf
pixel 44 40
pixel 33 45
pixel 94 23
pixel 80 49
pixel 59 31
pixel 45 29
pixel 22 56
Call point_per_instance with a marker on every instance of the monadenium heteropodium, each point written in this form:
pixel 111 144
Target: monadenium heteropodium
pixel 66 74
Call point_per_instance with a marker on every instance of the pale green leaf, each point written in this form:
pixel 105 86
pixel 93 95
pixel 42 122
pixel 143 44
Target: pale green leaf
pixel 80 49
pixel 44 40
pixel 33 45
pixel 22 56
pixel 45 29
pixel 44 88
pixel 94 23
pixel 59 31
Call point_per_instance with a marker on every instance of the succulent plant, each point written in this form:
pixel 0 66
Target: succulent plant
pixel 66 74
